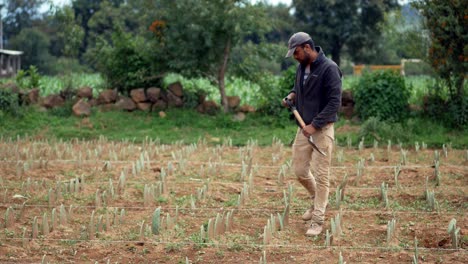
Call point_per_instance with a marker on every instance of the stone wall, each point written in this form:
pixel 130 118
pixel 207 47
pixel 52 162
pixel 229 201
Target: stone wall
pixel 151 99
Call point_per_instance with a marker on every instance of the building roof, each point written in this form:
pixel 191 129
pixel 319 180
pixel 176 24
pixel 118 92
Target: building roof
pixel 11 52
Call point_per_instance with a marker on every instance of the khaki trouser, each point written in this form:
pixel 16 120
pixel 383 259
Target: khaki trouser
pixel 312 168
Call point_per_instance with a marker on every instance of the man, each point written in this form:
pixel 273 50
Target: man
pixel 317 96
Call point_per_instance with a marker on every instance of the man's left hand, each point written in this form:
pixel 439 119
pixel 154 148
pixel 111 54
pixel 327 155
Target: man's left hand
pixel 308 130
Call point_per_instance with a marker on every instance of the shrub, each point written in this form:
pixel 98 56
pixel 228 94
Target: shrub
pixel 452 111
pixel 272 91
pixel 9 102
pixel 28 79
pixel 127 63
pixel 382 94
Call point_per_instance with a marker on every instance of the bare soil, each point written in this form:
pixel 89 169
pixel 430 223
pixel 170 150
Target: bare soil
pixel 202 181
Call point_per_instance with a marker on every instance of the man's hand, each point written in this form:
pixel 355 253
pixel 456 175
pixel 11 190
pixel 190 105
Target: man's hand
pixel 308 130
pixel 291 96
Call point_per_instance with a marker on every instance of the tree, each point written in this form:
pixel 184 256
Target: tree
pixel 35 45
pixel 69 33
pixel 20 14
pixel 447 24
pixel 336 23
pixel 402 37
pixel 200 41
pixel 84 10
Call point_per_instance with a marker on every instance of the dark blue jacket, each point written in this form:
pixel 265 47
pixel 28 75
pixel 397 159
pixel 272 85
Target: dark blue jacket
pixel 319 100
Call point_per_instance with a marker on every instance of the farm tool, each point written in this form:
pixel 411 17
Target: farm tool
pixel 302 124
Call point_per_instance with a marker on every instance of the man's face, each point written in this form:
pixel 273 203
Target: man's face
pixel 302 56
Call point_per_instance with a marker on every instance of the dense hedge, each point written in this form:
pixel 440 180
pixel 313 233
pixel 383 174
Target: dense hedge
pixel 382 94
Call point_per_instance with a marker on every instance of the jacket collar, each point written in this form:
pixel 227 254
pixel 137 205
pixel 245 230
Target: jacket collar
pixel 320 58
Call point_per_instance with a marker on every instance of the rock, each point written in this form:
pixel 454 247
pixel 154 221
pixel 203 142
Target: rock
pixel 108 107
pixel 176 88
pixel 93 102
pixel 144 106
pixel 68 93
pixel 233 101
pixel 85 92
pixel 208 107
pixel 347 111
pixel 347 98
pixel 107 97
pixel 52 101
pixel 201 98
pixel 159 105
pixel 33 96
pixel 125 104
pixel 174 100
pixel 247 109
pixel 239 117
pixel 153 94
pixel 138 95
pixel 82 108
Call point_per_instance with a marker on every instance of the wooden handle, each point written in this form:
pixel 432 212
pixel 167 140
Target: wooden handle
pixel 299 118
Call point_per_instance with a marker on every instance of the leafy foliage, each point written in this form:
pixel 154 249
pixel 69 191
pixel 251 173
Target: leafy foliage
pixel 70 34
pixel 20 15
pixel 382 94
pixel 9 102
pixel 446 22
pixel 334 24
pixel 273 91
pixel 28 79
pixel 127 63
pixel 34 44
pixel 401 37
pixel 452 111
pixel 205 36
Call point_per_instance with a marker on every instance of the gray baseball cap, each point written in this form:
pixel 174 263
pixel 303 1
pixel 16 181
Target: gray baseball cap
pixel 296 40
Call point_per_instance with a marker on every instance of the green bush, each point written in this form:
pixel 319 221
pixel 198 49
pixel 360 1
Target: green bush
pixel 438 105
pixel 272 91
pixel 28 79
pixel 451 112
pixel 382 94
pixel 9 102
pixel 127 63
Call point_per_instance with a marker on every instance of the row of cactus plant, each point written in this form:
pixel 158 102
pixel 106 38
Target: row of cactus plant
pixel 359 170
pixel 217 226
pixel 391 227
pixel 383 194
pixel 454 233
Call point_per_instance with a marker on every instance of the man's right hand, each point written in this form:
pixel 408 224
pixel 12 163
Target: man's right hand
pixel 291 97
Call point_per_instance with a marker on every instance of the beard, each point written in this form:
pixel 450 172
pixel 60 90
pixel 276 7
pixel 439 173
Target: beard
pixel 307 60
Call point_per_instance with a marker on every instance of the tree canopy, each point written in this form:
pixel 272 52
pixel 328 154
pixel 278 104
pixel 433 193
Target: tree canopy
pixel 334 24
pixel 201 41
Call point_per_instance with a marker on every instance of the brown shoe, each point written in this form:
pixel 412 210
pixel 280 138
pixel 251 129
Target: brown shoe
pixel 308 214
pixel 314 230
